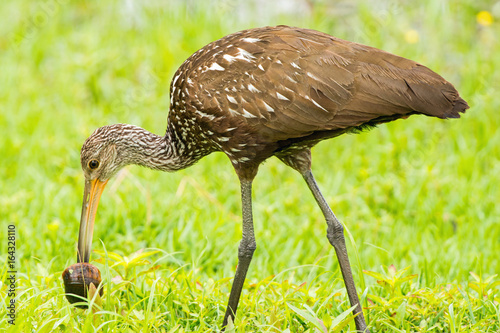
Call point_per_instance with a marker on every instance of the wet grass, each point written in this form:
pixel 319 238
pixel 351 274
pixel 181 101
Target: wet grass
pixel 419 197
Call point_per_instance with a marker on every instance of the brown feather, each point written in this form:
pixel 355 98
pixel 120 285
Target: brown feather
pixel 285 86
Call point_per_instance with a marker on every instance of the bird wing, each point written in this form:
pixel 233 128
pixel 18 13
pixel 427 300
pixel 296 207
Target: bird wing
pixel 290 82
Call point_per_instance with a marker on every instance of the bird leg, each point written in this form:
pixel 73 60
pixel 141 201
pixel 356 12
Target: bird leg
pixel 245 251
pixel 335 234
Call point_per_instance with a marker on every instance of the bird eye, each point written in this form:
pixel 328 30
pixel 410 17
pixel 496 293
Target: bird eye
pixel 93 164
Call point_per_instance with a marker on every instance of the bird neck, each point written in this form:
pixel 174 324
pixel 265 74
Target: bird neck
pixel 165 153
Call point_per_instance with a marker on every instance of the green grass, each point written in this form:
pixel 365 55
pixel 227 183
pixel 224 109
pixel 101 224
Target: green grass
pixel 419 197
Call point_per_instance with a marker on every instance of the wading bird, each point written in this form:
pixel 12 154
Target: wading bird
pixel 272 91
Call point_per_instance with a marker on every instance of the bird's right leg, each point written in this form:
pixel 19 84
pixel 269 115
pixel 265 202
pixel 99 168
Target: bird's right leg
pixel 245 251
pixel 335 234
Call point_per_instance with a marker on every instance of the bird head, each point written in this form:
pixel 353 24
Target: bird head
pixel 99 155
pixel 101 159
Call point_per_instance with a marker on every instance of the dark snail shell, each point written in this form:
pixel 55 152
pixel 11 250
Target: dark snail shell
pixel 77 279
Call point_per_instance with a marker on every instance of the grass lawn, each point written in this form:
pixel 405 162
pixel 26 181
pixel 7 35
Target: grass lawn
pixel 419 197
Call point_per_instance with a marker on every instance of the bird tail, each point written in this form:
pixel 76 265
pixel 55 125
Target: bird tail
pixel 451 106
pixel 457 105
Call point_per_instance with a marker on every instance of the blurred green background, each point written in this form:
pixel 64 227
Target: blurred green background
pixel 421 192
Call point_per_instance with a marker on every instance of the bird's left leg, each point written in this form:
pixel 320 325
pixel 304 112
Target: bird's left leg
pixel 245 251
pixel 335 234
pixel 300 160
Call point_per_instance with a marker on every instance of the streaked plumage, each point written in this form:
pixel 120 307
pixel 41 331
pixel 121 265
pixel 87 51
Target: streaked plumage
pixel 271 91
pixel 260 91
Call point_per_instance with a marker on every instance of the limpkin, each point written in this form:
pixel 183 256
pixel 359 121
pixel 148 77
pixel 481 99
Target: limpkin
pixel 257 93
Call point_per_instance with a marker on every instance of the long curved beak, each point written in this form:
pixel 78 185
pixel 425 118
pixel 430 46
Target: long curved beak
pixel 91 195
